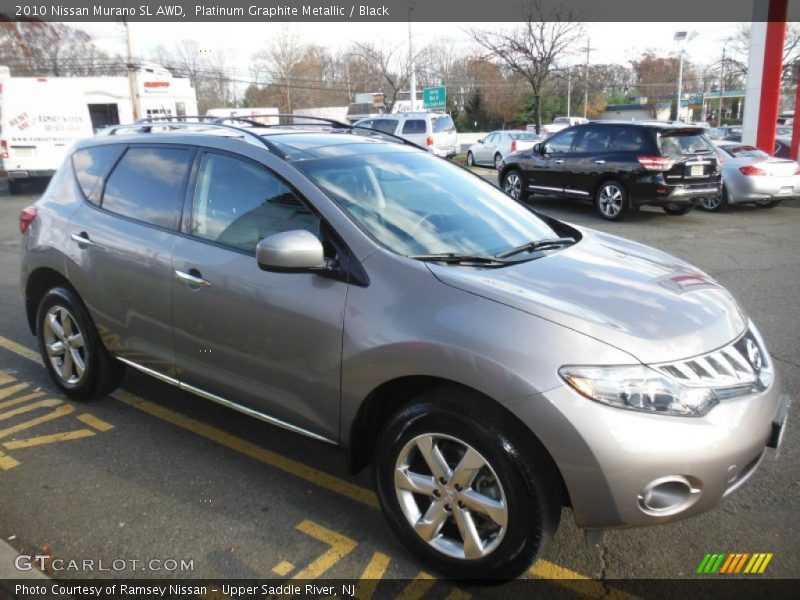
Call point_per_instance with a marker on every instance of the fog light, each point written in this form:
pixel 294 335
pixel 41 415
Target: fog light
pixel 668 495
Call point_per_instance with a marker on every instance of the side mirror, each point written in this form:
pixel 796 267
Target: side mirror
pixel 480 141
pixel 296 250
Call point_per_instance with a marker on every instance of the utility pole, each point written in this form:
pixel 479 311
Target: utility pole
pixel 412 62
pixel 569 93
pixel 131 72
pixel 586 82
pixel 721 87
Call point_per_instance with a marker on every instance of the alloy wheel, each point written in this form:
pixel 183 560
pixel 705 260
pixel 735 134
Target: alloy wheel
pixel 513 185
pixel 611 199
pixel 451 496
pixel 65 345
pixel 712 202
pixel 497 160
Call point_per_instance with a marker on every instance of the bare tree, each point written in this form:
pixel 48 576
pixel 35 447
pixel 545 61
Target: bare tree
pixel 740 47
pixel 38 48
pixel 388 69
pixel 533 49
pixel 277 63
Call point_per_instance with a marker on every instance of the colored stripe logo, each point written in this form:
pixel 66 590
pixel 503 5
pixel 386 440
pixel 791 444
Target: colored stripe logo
pixel 723 563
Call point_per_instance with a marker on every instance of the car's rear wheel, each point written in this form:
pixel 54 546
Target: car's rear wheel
pixel 14 187
pixel 767 203
pixel 498 158
pixel 71 350
pixel 463 489
pixel 470 159
pixel 717 203
pixel 514 185
pixel 676 210
pixel 611 200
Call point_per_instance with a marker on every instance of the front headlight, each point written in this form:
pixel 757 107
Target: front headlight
pixel 638 387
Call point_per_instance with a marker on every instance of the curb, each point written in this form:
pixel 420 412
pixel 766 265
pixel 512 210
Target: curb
pixel 7 569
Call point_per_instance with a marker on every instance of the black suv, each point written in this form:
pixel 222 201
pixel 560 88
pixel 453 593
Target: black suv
pixel 619 166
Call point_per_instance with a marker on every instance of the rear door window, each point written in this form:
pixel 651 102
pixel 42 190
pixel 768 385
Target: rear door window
pixel 91 166
pixel 238 203
pixel 593 140
pixel 385 125
pixel 147 185
pixel 628 139
pixel 414 126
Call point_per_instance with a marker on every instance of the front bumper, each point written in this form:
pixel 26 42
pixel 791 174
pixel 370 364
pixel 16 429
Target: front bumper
pixel 613 459
pixel 28 174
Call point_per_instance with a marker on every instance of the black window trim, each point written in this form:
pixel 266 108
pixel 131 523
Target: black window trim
pixel 192 149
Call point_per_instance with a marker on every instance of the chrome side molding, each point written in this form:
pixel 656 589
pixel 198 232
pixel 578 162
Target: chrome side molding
pixel 225 402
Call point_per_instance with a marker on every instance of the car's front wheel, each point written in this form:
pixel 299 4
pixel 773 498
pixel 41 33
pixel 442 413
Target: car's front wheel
pixel 71 349
pixel 678 209
pixel 611 200
pixel 717 203
pixel 470 159
pixel 513 185
pixel 462 487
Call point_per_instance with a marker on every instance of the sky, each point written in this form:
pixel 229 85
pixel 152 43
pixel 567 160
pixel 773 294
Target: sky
pixel 610 42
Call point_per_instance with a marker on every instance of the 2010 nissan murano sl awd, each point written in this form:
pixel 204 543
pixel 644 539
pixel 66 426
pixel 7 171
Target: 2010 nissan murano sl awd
pixel 491 363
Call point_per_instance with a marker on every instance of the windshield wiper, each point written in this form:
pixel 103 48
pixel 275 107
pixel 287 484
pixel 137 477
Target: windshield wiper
pixel 453 258
pixel 538 245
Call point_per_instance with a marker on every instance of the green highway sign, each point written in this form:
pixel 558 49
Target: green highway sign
pixel 434 97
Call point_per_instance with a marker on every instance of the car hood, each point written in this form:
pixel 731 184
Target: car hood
pixel 643 301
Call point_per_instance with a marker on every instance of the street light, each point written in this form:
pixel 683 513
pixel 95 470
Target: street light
pixel 683 38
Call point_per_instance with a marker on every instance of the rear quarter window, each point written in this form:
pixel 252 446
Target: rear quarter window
pixel 91 166
pixel 443 124
pixel 629 139
pixel 147 185
pixel 682 144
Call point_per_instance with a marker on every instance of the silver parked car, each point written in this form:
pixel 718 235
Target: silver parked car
pixel 490 150
pixel 491 363
pixel 750 175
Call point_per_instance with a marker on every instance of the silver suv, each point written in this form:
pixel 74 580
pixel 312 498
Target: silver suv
pixel 491 363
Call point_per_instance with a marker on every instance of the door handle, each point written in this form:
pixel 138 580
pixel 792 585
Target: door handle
pixel 558 162
pixel 599 162
pixel 192 280
pixel 82 239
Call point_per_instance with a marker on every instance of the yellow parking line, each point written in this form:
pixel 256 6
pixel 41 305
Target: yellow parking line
pixel 542 568
pixel 49 403
pixel 49 439
pixel 340 546
pixel 6 462
pixel 6 378
pixel 417 588
pixel 283 568
pixel 61 411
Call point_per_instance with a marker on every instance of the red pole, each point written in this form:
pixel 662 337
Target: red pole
pixel 795 145
pixel 771 77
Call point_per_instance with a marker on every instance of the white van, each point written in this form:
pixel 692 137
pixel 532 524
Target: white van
pixel 40 118
pixel 265 115
pixel 434 131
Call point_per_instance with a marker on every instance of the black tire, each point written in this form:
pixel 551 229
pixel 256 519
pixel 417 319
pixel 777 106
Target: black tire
pixel 768 204
pixel 719 203
pixel 14 187
pixel 497 160
pixel 611 200
pixel 101 372
pixel 530 484
pixel 470 160
pixel 675 210
pixel 515 187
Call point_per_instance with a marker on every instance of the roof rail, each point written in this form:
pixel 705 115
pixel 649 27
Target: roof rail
pixel 146 126
pixel 251 119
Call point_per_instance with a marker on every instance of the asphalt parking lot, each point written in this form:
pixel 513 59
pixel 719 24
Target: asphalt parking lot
pixel 152 473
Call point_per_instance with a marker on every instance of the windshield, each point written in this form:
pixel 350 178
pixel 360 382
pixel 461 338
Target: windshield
pixel 745 152
pixel 681 143
pixel 414 203
pixel 441 124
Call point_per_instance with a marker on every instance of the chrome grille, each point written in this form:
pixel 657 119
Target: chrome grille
pixel 741 364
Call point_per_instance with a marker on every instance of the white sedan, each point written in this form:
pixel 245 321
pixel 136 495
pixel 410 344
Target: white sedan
pixel 490 150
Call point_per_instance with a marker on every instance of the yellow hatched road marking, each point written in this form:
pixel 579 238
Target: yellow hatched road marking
pixel 49 403
pixel 21 399
pixel 374 571
pixel 49 439
pixel 6 378
pixel 543 568
pixel 61 411
pixel 10 391
pixel 417 588
pixel 6 462
pixel 340 546
pixel 283 568
pixel 95 422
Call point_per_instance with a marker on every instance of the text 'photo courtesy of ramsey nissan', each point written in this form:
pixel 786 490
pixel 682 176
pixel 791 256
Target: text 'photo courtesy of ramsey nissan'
pixel 399 300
